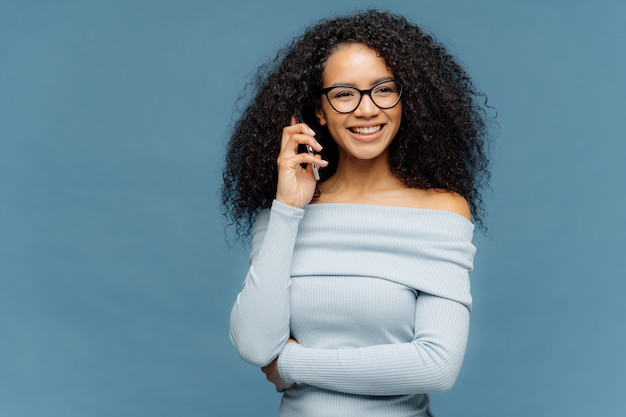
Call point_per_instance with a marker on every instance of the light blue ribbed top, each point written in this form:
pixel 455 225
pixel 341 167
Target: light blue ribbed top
pixel 378 298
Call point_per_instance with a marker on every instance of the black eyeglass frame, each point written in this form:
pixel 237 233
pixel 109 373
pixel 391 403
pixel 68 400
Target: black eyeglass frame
pixel 326 90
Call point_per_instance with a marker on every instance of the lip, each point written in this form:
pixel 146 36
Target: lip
pixel 369 137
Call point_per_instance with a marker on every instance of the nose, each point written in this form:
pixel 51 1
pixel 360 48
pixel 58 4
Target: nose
pixel 366 107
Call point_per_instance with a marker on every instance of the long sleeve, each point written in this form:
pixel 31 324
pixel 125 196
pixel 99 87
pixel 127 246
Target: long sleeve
pixel 259 322
pixel 377 297
pixel 429 363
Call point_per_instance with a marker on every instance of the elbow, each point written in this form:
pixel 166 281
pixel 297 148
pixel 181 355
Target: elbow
pixel 446 376
pixel 250 343
pixel 444 367
pixel 444 384
pixel 256 358
pixel 253 353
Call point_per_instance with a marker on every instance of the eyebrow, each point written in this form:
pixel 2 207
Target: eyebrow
pixel 376 81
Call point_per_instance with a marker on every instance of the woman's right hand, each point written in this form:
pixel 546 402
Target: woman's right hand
pixel 296 185
pixel 272 374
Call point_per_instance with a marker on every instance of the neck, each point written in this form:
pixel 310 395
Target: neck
pixel 358 177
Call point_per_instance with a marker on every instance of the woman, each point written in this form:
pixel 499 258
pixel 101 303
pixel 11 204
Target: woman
pixel 357 298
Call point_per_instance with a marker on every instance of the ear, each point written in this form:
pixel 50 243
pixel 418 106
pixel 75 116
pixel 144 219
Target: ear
pixel 320 116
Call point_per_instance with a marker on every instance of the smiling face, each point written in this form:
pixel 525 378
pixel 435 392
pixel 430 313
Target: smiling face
pixel 366 132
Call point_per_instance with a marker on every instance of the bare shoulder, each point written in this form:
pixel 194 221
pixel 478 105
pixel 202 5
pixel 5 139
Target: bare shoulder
pixel 401 196
pixel 436 199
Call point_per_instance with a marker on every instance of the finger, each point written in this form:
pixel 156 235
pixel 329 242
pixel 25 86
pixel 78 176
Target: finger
pixel 316 160
pixel 288 134
pixel 298 133
pixel 298 126
pixel 292 140
pixel 300 159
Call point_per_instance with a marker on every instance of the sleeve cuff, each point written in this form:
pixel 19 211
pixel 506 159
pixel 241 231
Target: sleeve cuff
pixel 286 362
pixel 286 210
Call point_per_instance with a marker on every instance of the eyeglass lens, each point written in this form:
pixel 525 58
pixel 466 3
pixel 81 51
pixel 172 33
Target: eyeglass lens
pixel 346 99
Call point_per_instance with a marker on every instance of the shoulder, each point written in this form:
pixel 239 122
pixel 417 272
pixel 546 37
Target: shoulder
pixel 432 199
pixel 437 199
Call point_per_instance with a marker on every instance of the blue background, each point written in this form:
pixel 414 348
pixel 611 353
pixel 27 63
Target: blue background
pixel 116 280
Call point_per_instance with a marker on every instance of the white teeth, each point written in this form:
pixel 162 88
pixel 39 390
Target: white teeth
pixel 366 130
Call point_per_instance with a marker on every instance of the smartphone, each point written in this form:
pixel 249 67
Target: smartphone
pixel 309 149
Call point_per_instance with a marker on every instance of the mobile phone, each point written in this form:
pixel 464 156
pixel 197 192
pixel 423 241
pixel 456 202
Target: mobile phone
pixel 316 171
pixel 309 149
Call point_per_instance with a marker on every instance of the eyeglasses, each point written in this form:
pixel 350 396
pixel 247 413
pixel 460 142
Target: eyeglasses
pixel 346 99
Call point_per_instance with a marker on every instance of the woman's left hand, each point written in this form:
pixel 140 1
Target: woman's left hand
pixel 272 375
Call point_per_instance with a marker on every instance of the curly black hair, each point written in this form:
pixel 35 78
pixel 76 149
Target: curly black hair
pixel 441 143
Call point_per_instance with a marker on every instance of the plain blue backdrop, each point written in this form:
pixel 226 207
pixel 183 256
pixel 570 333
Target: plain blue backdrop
pixel 116 280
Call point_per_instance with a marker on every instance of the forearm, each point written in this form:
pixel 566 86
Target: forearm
pixel 430 363
pixel 259 322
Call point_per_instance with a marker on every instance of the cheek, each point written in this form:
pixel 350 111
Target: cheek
pixel 330 119
pixel 398 110
pixel 398 116
pixel 335 125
